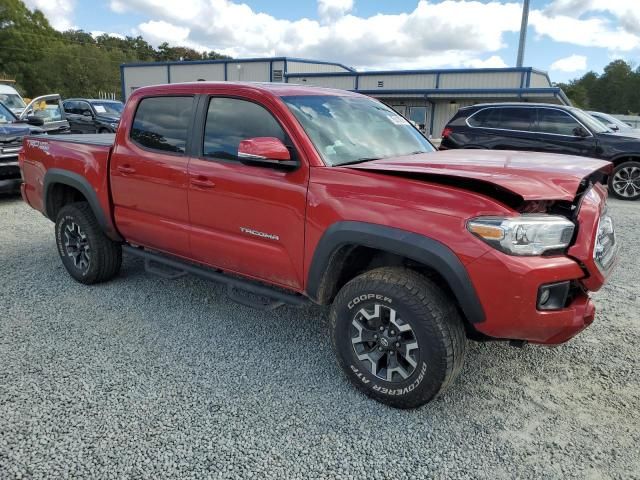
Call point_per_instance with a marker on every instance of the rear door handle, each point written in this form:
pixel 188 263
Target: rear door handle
pixel 202 182
pixel 126 169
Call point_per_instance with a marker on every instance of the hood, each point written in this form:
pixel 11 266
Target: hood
pixel 530 175
pixel 108 118
pixel 10 131
pixel 631 134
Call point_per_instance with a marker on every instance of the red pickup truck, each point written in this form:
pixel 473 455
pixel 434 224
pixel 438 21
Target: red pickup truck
pixel 289 194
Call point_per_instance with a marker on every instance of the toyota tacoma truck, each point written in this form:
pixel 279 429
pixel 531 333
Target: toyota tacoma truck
pixel 290 194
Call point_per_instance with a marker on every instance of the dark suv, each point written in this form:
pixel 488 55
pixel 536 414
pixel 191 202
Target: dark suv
pixel 93 116
pixel 552 129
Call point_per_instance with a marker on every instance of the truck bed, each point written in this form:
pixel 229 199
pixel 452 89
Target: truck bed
pixel 101 139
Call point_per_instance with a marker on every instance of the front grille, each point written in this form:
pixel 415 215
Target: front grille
pixel 604 252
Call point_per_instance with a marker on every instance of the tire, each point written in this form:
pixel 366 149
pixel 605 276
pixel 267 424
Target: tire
pixel 87 254
pixel 424 315
pixel 624 183
pixel 104 130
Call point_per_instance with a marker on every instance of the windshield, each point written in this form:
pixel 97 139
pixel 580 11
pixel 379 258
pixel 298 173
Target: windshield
pixel 605 118
pixel 12 100
pixel 590 122
pixel 6 116
pixel 109 108
pixel 355 129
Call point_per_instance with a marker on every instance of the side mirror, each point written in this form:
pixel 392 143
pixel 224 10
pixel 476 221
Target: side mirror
pixel 613 126
pixel 265 150
pixel 35 121
pixel 87 113
pixel 580 132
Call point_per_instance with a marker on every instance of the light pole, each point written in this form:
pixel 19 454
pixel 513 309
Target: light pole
pixel 523 33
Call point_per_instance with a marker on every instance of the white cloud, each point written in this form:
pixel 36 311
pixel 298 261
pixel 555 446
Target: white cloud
pixel 332 9
pixel 586 32
pixel 626 12
pixel 58 12
pixel 571 64
pixel 492 62
pixel 97 33
pixel 435 33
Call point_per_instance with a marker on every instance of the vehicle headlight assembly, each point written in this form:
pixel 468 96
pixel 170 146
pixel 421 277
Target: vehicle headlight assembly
pixel 114 125
pixel 524 235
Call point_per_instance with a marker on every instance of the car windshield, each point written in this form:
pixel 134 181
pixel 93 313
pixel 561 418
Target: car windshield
pixel 12 100
pixel 6 116
pixel 347 129
pixel 605 118
pixel 110 108
pixel 590 122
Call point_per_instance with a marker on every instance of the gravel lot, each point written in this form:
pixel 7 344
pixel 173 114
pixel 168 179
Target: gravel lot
pixel 150 378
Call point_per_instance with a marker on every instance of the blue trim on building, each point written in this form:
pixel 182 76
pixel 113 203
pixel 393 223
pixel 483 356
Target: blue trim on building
pixel 238 60
pixel 225 72
pixel 168 73
pixel 438 80
pixel 123 94
pixel 325 74
pixel 464 91
pixel 528 84
pixel 271 71
pixel 432 119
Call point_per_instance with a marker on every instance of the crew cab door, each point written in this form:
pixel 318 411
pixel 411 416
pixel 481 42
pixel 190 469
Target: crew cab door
pixel 557 131
pixel 246 218
pixel 149 180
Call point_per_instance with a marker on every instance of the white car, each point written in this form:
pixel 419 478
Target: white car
pixel 10 97
pixel 614 123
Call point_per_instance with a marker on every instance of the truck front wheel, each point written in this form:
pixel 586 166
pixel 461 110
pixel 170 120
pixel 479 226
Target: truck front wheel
pixel 397 336
pixel 87 254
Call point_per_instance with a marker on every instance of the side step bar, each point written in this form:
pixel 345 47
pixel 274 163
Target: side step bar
pixel 153 263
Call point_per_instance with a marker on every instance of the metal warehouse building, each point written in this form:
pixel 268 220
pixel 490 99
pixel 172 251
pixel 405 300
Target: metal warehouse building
pixel 427 97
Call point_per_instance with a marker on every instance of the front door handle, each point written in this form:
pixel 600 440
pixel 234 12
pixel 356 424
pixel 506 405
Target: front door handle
pixel 126 169
pixel 202 182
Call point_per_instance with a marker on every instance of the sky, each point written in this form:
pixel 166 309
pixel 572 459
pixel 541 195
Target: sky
pixel 567 38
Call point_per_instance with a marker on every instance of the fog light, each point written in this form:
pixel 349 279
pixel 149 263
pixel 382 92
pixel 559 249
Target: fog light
pixel 553 296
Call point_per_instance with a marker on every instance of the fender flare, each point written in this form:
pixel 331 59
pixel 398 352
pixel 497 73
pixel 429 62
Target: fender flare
pixel 617 159
pixel 56 176
pixel 419 248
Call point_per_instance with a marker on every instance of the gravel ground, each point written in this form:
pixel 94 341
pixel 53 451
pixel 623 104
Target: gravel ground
pixel 148 378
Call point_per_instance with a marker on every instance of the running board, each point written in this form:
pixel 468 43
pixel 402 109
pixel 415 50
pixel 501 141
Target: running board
pixel 266 298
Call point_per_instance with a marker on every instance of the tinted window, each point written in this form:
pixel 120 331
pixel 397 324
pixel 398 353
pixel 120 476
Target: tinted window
pixel 487 118
pixel 556 122
pixel 70 107
pixel 522 119
pixel 229 121
pixel 161 123
pixel 83 107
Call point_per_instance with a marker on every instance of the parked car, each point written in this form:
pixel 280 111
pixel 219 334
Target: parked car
pixel 547 128
pixel 11 99
pixel 93 116
pixel 12 131
pixel 615 124
pixel 294 194
pixel 49 109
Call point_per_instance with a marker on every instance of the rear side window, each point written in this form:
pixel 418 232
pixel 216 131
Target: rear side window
pixel 230 121
pixel 556 122
pixel 161 123
pixel 487 118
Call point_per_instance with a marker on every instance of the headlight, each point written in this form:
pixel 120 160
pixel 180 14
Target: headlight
pixel 524 235
pixel 114 125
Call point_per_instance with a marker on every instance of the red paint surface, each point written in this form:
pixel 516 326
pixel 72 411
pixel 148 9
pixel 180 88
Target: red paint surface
pixel 197 208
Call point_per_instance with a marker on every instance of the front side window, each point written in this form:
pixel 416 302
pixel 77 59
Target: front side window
pixel 556 122
pixel 161 123
pixel 230 121
pixel 346 129
pixel 589 121
pixel 520 119
pixel 108 108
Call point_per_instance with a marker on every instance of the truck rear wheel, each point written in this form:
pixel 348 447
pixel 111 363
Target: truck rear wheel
pixel 87 254
pixel 397 336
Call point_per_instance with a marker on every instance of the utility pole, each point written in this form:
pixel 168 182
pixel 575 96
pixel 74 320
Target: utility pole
pixel 523 32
